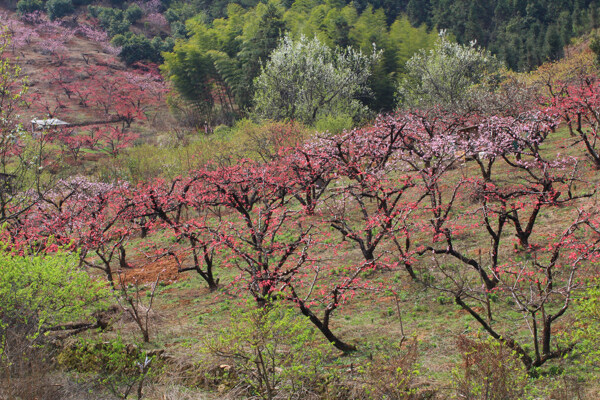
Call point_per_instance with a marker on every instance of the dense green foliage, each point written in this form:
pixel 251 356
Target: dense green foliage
pixel 113 20
pixel 29 6
pixel 229 46
pixel 115 365
pixel 139 48
pixel 595 47
pixel 218 63
pixel 39 294
pixel 225 56
pixel 273 352
pixel 59 8
pixel 588 326
pixel 229 40
pixel 133 13
pixel 522 33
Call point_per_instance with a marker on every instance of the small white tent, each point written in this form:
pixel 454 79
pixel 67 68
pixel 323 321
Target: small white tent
pixel 46 123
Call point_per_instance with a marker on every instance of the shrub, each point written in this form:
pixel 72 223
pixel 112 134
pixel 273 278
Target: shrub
pixel 270 352
pixel 490 371
pixel 133 13
pixel 334 124
pixel 29 6
pixel 39 296
pixel 117 26
pixel 111 19
pixel 393 375
pixel 178 30
pixel 94 11
pixel 587 327
pixel 114 365
pixel 221 130
pixel 136 48
pixel 59 8
pixel 182 11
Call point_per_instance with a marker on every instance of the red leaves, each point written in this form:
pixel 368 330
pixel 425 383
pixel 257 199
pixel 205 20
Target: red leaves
pixel 578 104
pixel 113 94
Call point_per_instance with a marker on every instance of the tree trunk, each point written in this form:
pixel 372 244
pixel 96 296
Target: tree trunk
pixel 122 258
pixel 338 343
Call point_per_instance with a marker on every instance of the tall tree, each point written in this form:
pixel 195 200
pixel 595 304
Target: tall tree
pixel 257 48
pixel 305 79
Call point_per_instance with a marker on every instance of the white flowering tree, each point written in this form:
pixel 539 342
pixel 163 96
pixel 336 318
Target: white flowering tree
pixel 448 75
pixel 305 79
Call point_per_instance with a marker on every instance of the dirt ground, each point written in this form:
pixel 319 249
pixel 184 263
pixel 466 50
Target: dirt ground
pixel 144 271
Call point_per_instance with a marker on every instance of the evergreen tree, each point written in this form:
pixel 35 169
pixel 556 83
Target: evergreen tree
pixel 418 12
pixel 257 48
pixel 553 45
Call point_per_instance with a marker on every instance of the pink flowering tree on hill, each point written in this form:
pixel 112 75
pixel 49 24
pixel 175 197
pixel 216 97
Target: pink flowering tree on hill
pixel 179 207
pixel 538 268
pixel 578 104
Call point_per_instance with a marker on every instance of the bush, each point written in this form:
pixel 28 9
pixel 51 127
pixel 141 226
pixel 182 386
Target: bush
pixel 490 371
pixel 393 376
pixel 94 11
pixel 594 46
pixel 29 6
pixel 117 27
pixel 59 8
pixel 111 19
pixel 114 365
pixel 270 353
pixel 563 387
pixel 159 45
pixel 334 124
pixel 178 30
pixel 587 327
pixel 39 296
pixel 133 13
pixel 136 48
pixel 182 11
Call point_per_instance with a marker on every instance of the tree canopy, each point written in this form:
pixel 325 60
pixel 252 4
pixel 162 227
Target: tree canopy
pixel 447 75
pixel 305 79
pixel 225 55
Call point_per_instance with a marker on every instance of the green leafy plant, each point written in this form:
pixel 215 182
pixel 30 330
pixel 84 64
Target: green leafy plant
pixel 271 352
pixel 59 8
pixel 393 375
pixel 490 371
pixel 133 13
pixel 114 365
pixel 448 75
pixel 587 327
pixel 29 6
pixel 305 79
pixel 41 298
